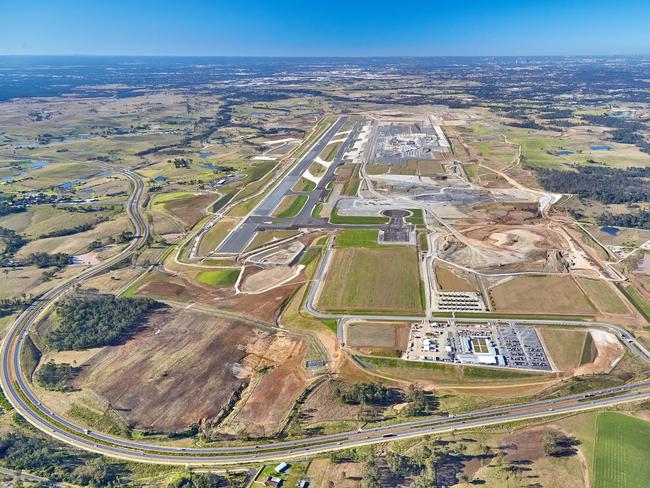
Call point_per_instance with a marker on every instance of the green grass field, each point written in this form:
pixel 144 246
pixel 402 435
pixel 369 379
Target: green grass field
pixel 352 185
pixel 335 218
pixel 444 373
pixel 213 237
pixel 417 217
pixel 358 238
pixel 291 206
pixel 303 184
pixel 622 452
pixel 315 212
pixel 380 279
pixel 538 149
pixel 637 300
pixel 603 296
pixel 330 151
pixel 219 277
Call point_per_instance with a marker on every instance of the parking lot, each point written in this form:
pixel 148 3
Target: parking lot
pixel 483 344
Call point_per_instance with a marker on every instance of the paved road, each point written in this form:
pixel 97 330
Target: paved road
pixel 240 237
pixel 19 393
pixel 635 346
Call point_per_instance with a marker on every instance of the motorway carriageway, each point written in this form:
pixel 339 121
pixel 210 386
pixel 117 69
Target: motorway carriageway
pixel 18 392
pixel 140 451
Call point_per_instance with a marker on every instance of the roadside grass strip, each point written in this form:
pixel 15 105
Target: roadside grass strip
pixel 642 305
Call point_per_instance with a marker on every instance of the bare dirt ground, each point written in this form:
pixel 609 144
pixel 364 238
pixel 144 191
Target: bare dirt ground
pixel 524 445
pixel 268 279
pixel 322 405
pixel 609 351
pixel 275 394
pixel 529 247
pixel 342 475
pixel 263 306
pixel 179 369
pixel 540 294
pixel 378 334
pixel 448 280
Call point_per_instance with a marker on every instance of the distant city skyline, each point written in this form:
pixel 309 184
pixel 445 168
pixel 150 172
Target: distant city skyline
pixel 333 28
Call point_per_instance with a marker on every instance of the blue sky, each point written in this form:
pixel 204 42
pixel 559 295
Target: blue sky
pixel 332 28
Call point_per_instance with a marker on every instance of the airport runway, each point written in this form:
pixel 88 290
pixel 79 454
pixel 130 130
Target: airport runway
pixel 18 391
pixel 241 236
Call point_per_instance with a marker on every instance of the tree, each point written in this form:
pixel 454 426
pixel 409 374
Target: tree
pixel 54 376
pixel 550 442
pixel 365 393
pixel 397 464
pixel 418 403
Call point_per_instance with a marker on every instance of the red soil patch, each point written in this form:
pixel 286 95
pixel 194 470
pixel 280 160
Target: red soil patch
pixel 264 306
pixel 275 394
pixel 164 290
pixel 182 367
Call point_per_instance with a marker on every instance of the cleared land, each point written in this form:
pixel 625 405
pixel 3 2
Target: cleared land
pixel 564 346
pixel 449 281
pixel 268 278
pixel 372 279
pixel 622 451
pixel 540 295
pixel 182 367
pixel 185 206
pixel 344 475
pixel 603 296
pixel 377 337
pixel 274 395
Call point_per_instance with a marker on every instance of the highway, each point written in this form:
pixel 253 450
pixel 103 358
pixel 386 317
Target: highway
pixel 18 391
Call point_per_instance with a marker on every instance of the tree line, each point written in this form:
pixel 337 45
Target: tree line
pixel 73 230
pixel 51 460
pixel 95 320
pixel 638 220
pixel 606 185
